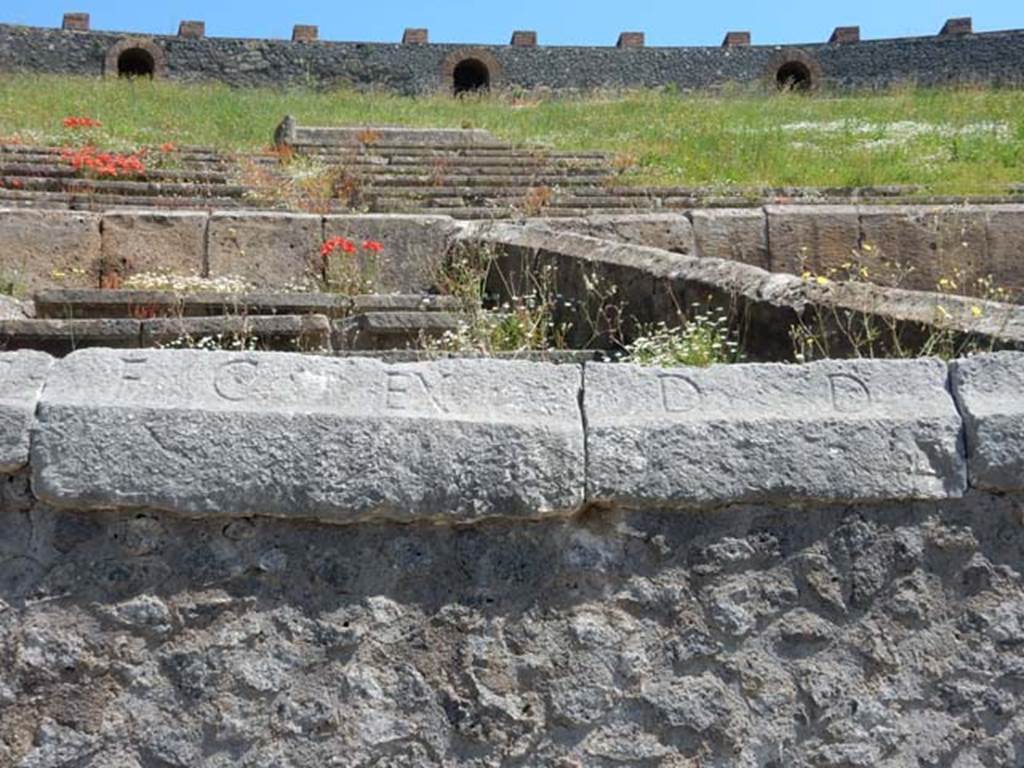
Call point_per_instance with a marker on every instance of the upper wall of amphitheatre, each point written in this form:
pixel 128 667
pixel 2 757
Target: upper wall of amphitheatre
pixel 415 65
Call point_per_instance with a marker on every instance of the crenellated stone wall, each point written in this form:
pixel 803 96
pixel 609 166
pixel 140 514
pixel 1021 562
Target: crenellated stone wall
pixel 417 66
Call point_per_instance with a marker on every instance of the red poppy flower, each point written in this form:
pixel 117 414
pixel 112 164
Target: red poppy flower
pixel 372 245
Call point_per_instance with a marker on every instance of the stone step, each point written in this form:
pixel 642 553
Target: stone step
pixel 283 333
pixel 179 155
pixel 546 179
pixel 392 330
pixel 403 161
pixel 100 202
pixel 61 337
pixel 50 170
pixel 386 136
pixel 132 188
pixel 371 170
pixel 93 304
pixel 506 151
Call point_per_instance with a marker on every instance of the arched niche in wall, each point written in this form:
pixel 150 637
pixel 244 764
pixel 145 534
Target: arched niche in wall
pixel 793 70
pixel 135 57
pixel 470 70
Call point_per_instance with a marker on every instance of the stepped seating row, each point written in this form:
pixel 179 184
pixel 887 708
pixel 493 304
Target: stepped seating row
pixel 463 174
pixel 65 320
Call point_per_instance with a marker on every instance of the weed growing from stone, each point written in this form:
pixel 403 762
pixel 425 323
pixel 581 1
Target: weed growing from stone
pixel 702 339
pixel 828 331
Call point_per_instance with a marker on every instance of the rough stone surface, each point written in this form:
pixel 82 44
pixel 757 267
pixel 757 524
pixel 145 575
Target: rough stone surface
pixel 11 309
pixel 414 247
pixel 990 391
pixel 668 231
pixel 878 636
pixel 739 234
pixel 812 238
pixel 307 437
pixel 267 249
pixel 1005 246
pixel 145 241
pixel 41 248
pixel 832 431
pixel 22 375
pixel 948 242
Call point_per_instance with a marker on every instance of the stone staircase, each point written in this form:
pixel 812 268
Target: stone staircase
pixel 468 174
pixel 60 321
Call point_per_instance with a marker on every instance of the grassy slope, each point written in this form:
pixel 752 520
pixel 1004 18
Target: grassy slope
pixel 663 138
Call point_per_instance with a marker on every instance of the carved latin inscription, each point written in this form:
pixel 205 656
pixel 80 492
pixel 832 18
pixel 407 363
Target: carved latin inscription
pixel 234 380
pixel 679 394
pixel 849 393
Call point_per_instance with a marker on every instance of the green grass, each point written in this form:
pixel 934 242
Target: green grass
pixel 974 142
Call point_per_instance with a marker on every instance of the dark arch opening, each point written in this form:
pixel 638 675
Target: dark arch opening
pixel 471 75
pixel 794 76
pixel 136 62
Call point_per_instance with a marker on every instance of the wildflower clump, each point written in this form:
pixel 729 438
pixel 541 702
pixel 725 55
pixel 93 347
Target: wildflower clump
pixel 89 161
pixel 348 268
pixel 75 123
pixel 703 339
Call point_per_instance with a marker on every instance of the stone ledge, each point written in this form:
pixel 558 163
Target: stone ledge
pixel 990 393
pixel 22 375
pixel 342 440
pixel 835 431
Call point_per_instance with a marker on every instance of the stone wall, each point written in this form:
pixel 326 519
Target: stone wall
pixel 819 574
pixel 43 249
pixel 993 58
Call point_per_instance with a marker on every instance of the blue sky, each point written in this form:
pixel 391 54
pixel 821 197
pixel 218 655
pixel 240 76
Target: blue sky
pixel 557 22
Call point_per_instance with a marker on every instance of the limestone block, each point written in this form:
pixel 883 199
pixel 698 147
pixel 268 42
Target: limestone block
pixel 148 241
pixel 43 249
pixel 393 330
pixel 22 375
pixel 1006 248
pixel 267 249
pixel 812 237
pixel 832 431
pixel 990 391
pixel 414 247
pixel 336 440
pixel 59 337
pixel 668 231
pixel 738 234
pixel 924 243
